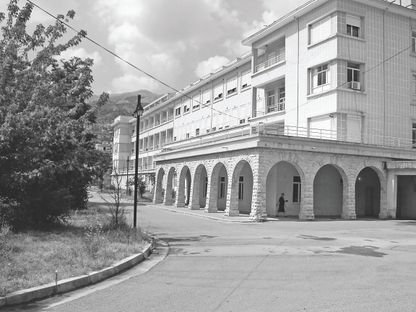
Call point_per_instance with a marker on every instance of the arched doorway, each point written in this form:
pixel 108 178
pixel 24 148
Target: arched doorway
pixel 285 178
pixel 242 189
pixel 199 193
pixel 170 192
pixel 159 191
pixel 184 187
pixel 367 194
pixel 218 188
pixel 328 190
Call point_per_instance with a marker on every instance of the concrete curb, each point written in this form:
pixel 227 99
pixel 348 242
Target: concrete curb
pixel 73 283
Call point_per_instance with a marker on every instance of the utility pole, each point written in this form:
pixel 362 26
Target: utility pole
pixel 137 113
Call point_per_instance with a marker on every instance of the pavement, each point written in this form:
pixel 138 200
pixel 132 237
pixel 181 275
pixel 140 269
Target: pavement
pixel 285 265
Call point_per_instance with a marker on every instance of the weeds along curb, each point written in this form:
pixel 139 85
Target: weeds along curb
pixel 66 285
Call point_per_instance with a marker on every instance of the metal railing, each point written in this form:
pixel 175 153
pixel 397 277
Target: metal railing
pixel 289 131
pixel 271 59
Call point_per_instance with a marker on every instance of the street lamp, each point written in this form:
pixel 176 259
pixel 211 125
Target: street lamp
pixel 137 113
pixel 127 178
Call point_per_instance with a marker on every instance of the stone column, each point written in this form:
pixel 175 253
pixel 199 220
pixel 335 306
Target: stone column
pixel 348 197
pixel 232 195
pixel 158 198
pixel 180 196
pixel 390 210
pixel 212 189
pixel 168 190
pixel 258 199
pixel 306 204
pixel 195 189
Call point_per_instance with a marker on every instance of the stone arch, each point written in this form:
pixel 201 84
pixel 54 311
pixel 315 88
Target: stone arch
pixel 159 190
pixel 284 177
pixel 170 192
pixel 368 192
pixel 184 187
pixel 218 188
pixel 330 191
pixel 241 188
pixel 200 188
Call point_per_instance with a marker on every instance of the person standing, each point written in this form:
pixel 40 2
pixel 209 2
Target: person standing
pixel 281 204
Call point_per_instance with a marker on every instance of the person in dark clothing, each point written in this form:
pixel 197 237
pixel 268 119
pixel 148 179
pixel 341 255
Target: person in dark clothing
pixel 282 203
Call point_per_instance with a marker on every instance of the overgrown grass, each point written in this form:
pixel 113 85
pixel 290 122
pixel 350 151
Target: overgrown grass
pixel 83 245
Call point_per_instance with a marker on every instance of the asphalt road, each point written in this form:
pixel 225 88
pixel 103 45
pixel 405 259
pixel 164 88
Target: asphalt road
pixel 273 266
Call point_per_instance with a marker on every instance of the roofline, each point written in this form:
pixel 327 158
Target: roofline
pixel 284 20
pixel 312 4
pixel 246 58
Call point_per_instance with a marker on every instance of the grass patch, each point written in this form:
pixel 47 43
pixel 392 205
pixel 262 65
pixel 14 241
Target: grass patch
pixel 83 245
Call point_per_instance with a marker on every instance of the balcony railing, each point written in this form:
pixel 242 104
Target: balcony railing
pixel 287 131
pixel 277 107
pixel 271 59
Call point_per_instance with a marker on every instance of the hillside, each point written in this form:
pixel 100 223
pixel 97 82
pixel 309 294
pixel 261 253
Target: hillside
pixel 123 104
pixel 118 104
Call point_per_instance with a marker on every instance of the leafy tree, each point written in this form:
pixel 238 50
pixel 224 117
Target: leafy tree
pixel 47 155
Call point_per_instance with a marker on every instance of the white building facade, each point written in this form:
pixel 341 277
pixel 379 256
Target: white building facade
pixel 322 110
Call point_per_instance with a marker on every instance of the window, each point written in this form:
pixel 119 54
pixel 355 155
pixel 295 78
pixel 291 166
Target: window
pixel 195 103
pixel 206 97
pixel 242 121
pixel 241 188
pixel 353 76
pixel 218 92
pixel 320 78
pixel 187 135
pixel 282 99
pixel 222 188
pixel 414 135
pixel 413 41
pixel 197 132
pixel 232 85
pixel 353 26
pixel 271 101
pixel 178 111
pixel 245 79
pixel 320 30
pixel 296 189
pixel 187 106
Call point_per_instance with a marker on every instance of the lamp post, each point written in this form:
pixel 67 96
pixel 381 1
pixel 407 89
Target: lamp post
pixel 137 113
pixel 127 178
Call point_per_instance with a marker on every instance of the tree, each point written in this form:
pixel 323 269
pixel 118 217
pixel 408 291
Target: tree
pixel 47 155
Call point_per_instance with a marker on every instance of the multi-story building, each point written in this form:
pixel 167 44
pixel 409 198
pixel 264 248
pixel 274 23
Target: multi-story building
pixel 323 110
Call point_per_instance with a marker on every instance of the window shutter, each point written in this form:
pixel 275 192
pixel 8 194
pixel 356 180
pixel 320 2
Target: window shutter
pixel 354 21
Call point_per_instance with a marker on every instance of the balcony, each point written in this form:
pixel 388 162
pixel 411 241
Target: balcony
pixel 267 60
pixel 277 107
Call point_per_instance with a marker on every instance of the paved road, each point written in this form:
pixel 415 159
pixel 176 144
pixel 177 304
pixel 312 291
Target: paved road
pixel 273 266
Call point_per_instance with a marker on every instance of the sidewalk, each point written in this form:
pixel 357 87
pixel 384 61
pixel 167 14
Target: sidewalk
pixel 218 216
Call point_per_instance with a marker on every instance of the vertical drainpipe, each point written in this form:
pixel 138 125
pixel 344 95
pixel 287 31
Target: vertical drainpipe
pixel 297 81
pixel 384 76
pixel 212 104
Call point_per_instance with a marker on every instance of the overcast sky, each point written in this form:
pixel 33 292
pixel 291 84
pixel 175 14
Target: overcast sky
pixel 175 40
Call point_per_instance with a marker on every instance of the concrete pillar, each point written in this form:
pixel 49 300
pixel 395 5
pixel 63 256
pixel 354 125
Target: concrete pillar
pixel 391 197
pixel 306 204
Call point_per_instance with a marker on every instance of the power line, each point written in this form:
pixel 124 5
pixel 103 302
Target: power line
pixel 119 57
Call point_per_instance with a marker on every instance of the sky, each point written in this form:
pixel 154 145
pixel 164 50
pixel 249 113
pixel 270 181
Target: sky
pixel 177 41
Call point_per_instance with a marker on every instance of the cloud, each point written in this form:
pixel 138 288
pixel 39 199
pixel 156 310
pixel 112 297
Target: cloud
pixel 210 65
pixel 81 53
pixel 130 82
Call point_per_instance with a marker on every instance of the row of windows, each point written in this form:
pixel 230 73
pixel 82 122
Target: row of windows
pixel 205 98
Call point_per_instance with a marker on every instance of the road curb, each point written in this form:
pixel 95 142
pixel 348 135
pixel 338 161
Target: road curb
pixel 73 283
